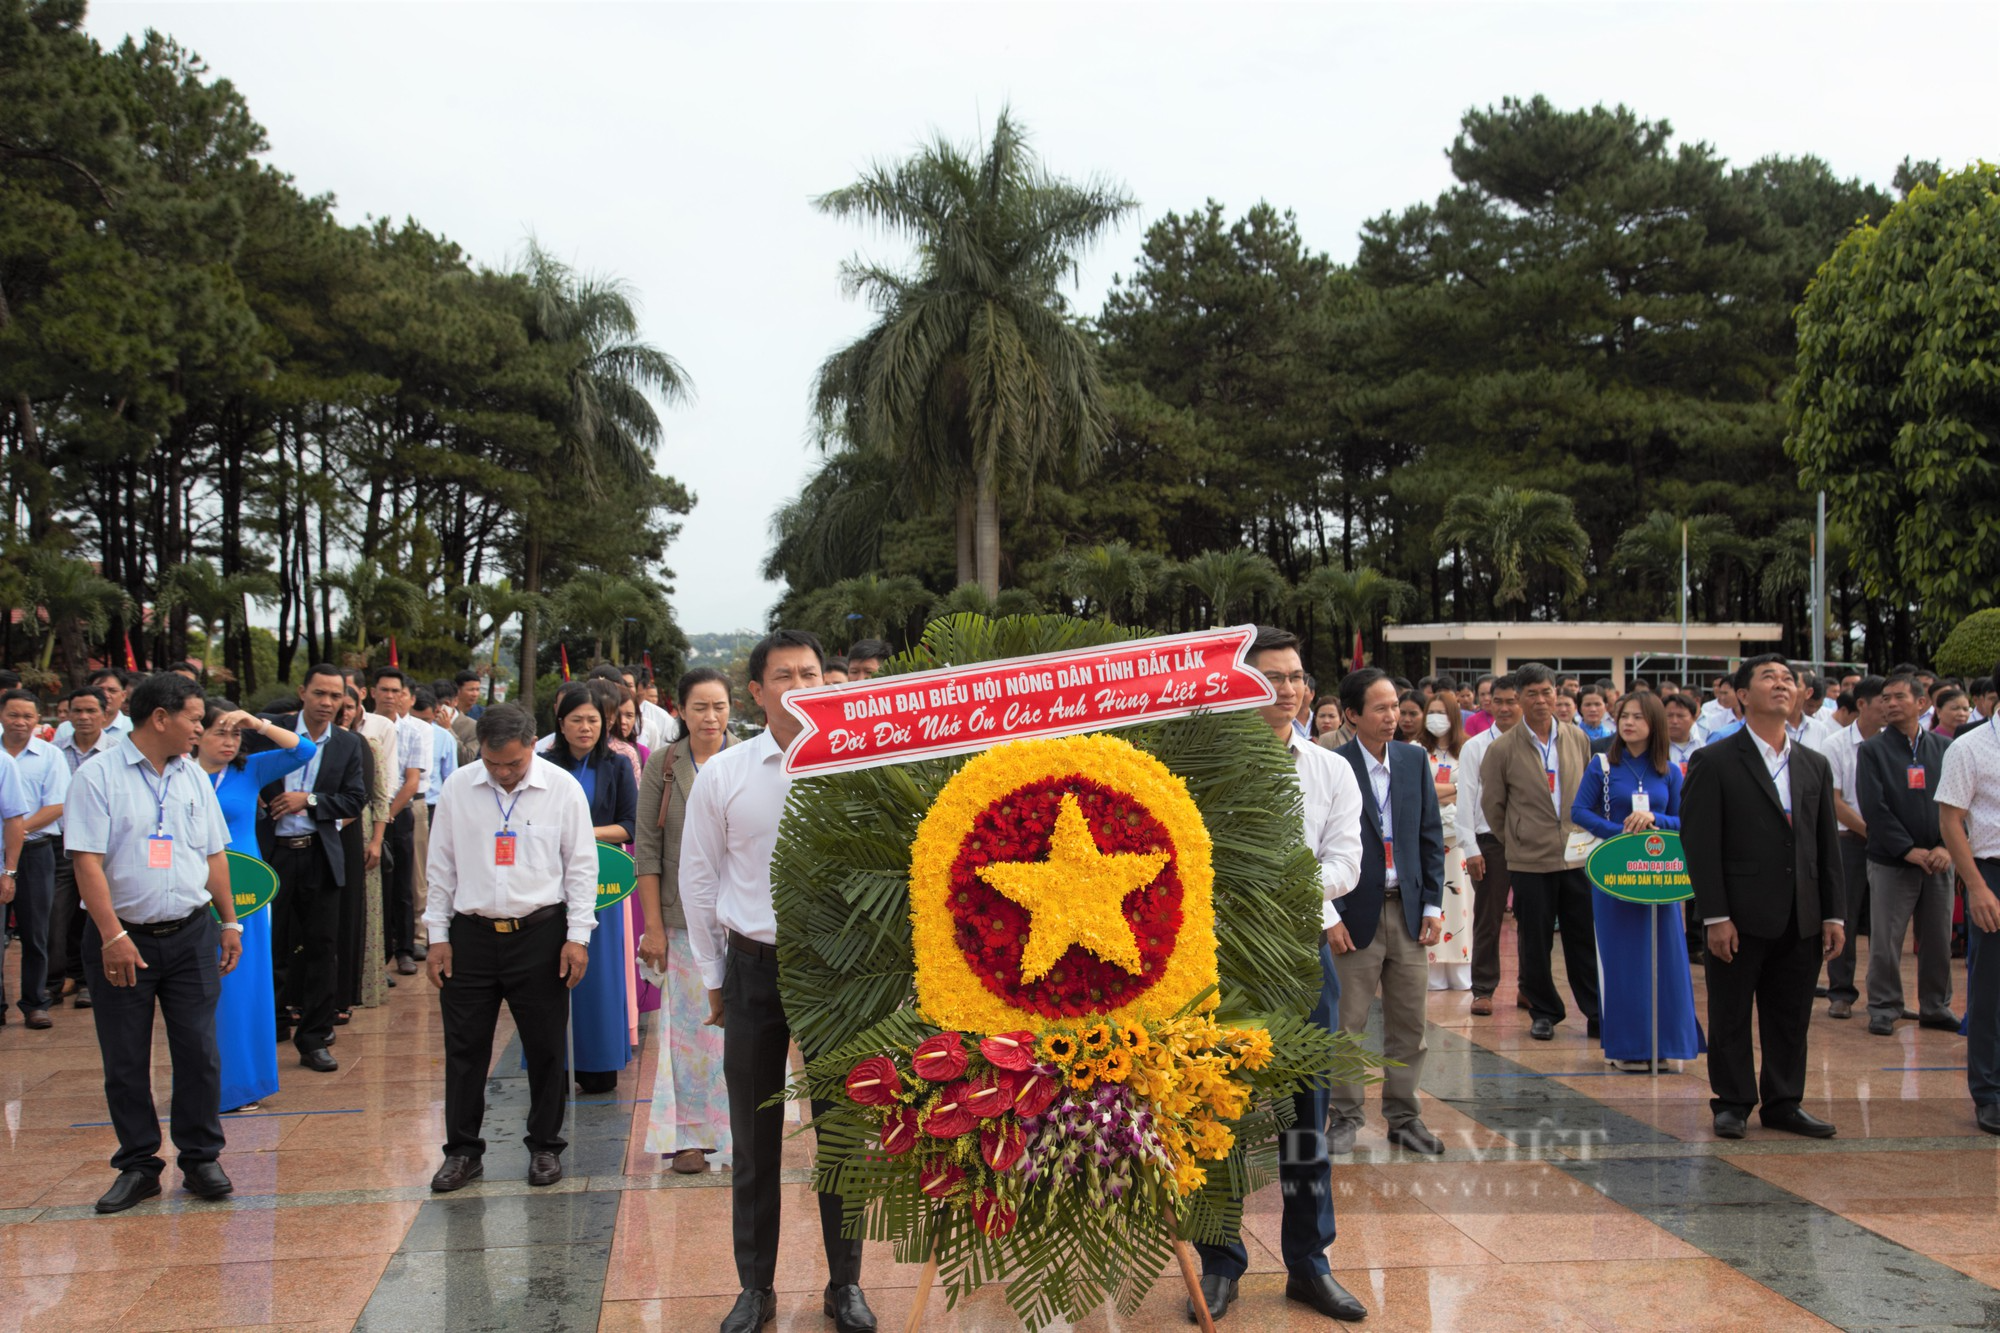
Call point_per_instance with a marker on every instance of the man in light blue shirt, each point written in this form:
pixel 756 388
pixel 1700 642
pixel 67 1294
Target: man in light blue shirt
pixel 112 684
pixel 13 814
pixel 44 775
pixel 147 840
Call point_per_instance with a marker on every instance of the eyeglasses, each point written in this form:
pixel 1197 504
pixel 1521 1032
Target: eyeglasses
pixel 1276 678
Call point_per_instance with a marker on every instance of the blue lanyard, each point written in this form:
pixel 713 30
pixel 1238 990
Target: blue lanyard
pixel 1548 752
pixel 159 797
pixel 507 815
pixel 1784 788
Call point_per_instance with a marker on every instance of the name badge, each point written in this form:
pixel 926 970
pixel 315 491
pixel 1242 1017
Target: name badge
pixel 503 849
pixel 1917 777
pixel 1684 767
pixel 160 852
pixel 1642 804
pixel 1552 780
pixel 1444 772
pixel 1388 856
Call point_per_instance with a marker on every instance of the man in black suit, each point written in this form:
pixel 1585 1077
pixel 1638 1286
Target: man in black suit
pixel 299 830
pixel 1758 827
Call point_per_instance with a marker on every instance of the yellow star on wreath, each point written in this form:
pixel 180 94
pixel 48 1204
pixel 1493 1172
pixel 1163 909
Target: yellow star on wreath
pixel 1077 896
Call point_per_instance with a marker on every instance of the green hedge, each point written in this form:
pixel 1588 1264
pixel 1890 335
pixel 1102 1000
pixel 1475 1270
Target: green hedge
pixel 1973 647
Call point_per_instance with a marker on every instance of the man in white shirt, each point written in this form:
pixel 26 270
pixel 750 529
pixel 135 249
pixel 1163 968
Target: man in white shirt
pixel 1332 829
pixel 88 738
pixel 414 748
pixel 1968 800
pixel 114 685
pixel 1485 853
pixel 657 726
pixel 1864 698
pixel 1718 715
pixel 512 901
pixel 730 831
pixel 44 774
pixel 1807 726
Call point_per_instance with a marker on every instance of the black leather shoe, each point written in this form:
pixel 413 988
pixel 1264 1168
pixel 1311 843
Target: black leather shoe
pixel 39 1019
pixel 1542 1029
pixel 128 1189
pixel 1414 1135
pixel 207 1179
pixel 1340 1138
pixel 421 952
pixel 544 1168
pixel 1218 1292
pixel 457 1173
pixel 1325 1295
pixel 848 1309
pixel 319 1060
pixel 80 1000
pixel 753 1309
pixel 1942 1023
pixel 1729 1124
pixel 1798 1122
pixel 1988 1117
pixel 1881 1025
pixel 406 965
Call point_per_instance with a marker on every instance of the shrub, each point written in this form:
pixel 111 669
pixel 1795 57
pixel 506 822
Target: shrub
pixel 1972 647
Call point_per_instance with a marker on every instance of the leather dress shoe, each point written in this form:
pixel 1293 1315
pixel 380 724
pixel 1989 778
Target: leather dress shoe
pixel 753 1309
pixel 1218 1291
pixel 544 1168
pixel 1729 1124
pixel 406 965
pixel 1323 1294
pixel 1988 1117
pixel 421 952
pixel 319 1060
pixel 39 1019
pixel 844 1304
pixel 207 1179
pixel 1482 1005
pixel 1414 1135
pixel 1799 1122
pixel 1542 1029
pixel 1340 1137
pixel 1840 1009
pixel 457 1173
pixel 1881 1025
pixel 128 1189
pixel 81 1000
pixel 1941 1023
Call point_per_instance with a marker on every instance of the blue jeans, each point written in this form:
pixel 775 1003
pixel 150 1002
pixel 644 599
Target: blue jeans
pixel 1982 1004
pixel 1305 1176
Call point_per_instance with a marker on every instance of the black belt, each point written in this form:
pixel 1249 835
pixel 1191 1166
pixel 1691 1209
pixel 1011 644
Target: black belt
pixel 156 929
pixel 298 844
pixel 501 925
pixel 755 948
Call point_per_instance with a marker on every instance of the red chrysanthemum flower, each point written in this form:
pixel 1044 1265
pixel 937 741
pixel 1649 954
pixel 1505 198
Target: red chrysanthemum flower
pixel 874 1082
pixel 941 1058
pixel 1009 1050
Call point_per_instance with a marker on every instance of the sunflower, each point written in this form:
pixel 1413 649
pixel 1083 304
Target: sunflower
pixel 1097 1039
pixel 1082 1078
pixel 1115 1067
pixel 1134 1038
pixel 1057 1047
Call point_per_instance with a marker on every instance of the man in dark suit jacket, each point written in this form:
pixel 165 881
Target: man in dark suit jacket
pixel 1758 827
pixel 1393 915
pixel 298 829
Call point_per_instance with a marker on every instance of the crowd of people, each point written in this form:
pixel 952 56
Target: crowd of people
pixel 409 826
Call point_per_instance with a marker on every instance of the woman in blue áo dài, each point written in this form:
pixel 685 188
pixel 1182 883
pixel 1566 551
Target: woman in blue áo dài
pixel 244 1033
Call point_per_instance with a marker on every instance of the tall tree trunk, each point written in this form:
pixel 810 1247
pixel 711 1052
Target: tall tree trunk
pixel 968 568
pixel 986 533
pixel 34 473
pixel 531 579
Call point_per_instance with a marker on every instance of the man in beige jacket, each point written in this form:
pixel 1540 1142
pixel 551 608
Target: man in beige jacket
pixel 1527 781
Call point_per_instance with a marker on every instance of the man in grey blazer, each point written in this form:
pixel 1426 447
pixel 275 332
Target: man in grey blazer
pixel 1393 915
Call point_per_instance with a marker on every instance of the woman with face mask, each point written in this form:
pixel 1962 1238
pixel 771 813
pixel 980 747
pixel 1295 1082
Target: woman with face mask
pixel 1442 735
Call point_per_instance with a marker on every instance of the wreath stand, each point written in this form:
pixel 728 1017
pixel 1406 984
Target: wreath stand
pixel 1183 1252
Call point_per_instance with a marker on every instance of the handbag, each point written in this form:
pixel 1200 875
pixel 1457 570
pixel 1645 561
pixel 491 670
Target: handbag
pixel 1582 842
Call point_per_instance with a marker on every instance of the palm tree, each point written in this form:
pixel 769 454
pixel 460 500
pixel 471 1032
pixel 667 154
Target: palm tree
pixel 498 602
pixel 971 598
pixel 871 607
pixel 372 594
pixel 1515 530
pixel 1653 546
pixel 78 602
pixel 1355 600
pixel 198 589
pixel 1231 581
pixel 602 606
pixel 606 427
pixel 974 376
pixel 1113 579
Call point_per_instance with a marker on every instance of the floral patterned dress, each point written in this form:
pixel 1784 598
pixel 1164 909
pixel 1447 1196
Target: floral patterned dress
pixel 1451 957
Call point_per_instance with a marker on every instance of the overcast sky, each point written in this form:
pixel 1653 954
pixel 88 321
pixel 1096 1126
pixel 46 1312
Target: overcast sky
pixel 678 146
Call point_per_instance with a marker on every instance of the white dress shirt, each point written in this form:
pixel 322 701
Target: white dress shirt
pixel 1332 820
pixel 1777 763
pixel 727 837
pixel 1680 752
pixel 117 726
pixel 1814 731
pixel 415 748
pixel 1712 718
pixel 555 850
pixel 1971 782
pixel 1470 818
pixel 1842 749
pixel 1379 779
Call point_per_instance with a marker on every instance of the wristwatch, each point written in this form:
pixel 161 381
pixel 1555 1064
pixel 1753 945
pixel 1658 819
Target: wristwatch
pixel 312 800
pixel 236 926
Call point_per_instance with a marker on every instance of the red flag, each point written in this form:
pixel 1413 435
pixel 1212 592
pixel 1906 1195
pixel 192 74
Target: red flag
pixel 131 662
pixel 1358 654
pixel 647 658
pixel 564 650
pixel 392 651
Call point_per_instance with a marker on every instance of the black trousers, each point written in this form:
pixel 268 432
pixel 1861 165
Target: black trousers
pixel 34 896
pixel 1538 898
pixel 521 968
pixel 1854 874
pixel 756 1041
pixel 1776 976
pixel 356 951
pixel 66 918
pixel 1489 914
pixel 399 868
pixel 311 940
pixel 182 979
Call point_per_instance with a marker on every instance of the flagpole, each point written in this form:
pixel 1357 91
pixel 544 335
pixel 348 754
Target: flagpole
pixel 1684 598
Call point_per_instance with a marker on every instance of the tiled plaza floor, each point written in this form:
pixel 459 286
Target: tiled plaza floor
pixel 1570 1198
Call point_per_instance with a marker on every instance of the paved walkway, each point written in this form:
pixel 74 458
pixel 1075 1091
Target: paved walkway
pixel 1570 1198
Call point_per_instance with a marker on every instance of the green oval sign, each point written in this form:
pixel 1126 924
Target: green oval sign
pixel 615 876
pixel 251 882
pixel 1641 868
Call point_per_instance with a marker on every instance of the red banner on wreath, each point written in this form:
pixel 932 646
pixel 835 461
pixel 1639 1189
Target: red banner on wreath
pixel 959 710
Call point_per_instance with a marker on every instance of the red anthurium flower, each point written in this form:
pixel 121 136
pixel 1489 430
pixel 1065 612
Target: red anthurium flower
pixel 951 1117
pixel 1002 1144
pixel 874 1082
pixel 938 1179
pixel 1009 1050
pixel 995 1218
pixel 985 1097
pixel 899 1134
pixel 941 1058
pixel 1038 1089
